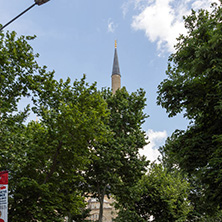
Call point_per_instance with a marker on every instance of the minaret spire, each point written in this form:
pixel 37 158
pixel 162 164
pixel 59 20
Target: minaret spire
pixel 116 77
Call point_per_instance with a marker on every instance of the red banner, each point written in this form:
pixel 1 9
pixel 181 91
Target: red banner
pixel 4 196
pixel 4 177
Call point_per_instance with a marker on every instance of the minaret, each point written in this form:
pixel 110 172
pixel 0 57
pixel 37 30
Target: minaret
pixel 116 77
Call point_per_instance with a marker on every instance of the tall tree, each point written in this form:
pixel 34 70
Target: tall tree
pixel 45 158
pixel 159 196
pixel 116 165
pixel 194 87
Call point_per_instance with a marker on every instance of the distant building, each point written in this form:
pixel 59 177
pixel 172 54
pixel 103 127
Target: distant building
pixel 109 211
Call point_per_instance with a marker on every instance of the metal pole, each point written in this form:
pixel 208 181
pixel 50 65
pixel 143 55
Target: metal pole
pixel 17 16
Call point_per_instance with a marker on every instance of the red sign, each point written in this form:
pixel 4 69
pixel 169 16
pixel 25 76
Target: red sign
pixel 4 177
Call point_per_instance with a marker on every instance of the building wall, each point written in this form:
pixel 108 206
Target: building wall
pixel 109 212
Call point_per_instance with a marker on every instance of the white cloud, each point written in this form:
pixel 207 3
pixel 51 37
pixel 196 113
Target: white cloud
pixel 162 20
pixel 111 26
pixel 203 4
pixel 125 7
pixel 156 139
pixel 137 4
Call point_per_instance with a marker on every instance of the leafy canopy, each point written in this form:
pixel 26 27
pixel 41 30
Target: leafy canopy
pixel 159 195
pixel 116 164
pixel 194 87
pixel 45 159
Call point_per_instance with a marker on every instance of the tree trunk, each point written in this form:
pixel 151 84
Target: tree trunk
pixel 53 167
pixel 101 201
pixel 69 217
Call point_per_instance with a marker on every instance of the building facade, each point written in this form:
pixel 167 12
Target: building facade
pixel 109 212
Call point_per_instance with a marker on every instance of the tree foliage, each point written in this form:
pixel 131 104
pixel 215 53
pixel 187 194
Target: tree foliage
pixel 116 165
pixel 45 158
pixel 158 196
pixel 194 87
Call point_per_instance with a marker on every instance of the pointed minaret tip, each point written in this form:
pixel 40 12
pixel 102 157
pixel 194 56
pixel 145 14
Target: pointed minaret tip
pixel 116 70
pixel 116 77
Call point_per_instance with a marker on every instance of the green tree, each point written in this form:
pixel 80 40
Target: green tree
pixel 194 86
pixel 116 165
pixel 160 196
pixel 17 69
pixel 45 159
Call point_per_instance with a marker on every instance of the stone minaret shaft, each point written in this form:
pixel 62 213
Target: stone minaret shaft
pixel 116 77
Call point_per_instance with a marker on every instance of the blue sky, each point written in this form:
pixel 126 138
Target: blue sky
pixel 76 37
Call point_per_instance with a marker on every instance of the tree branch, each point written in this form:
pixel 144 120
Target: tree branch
pixel 53 167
